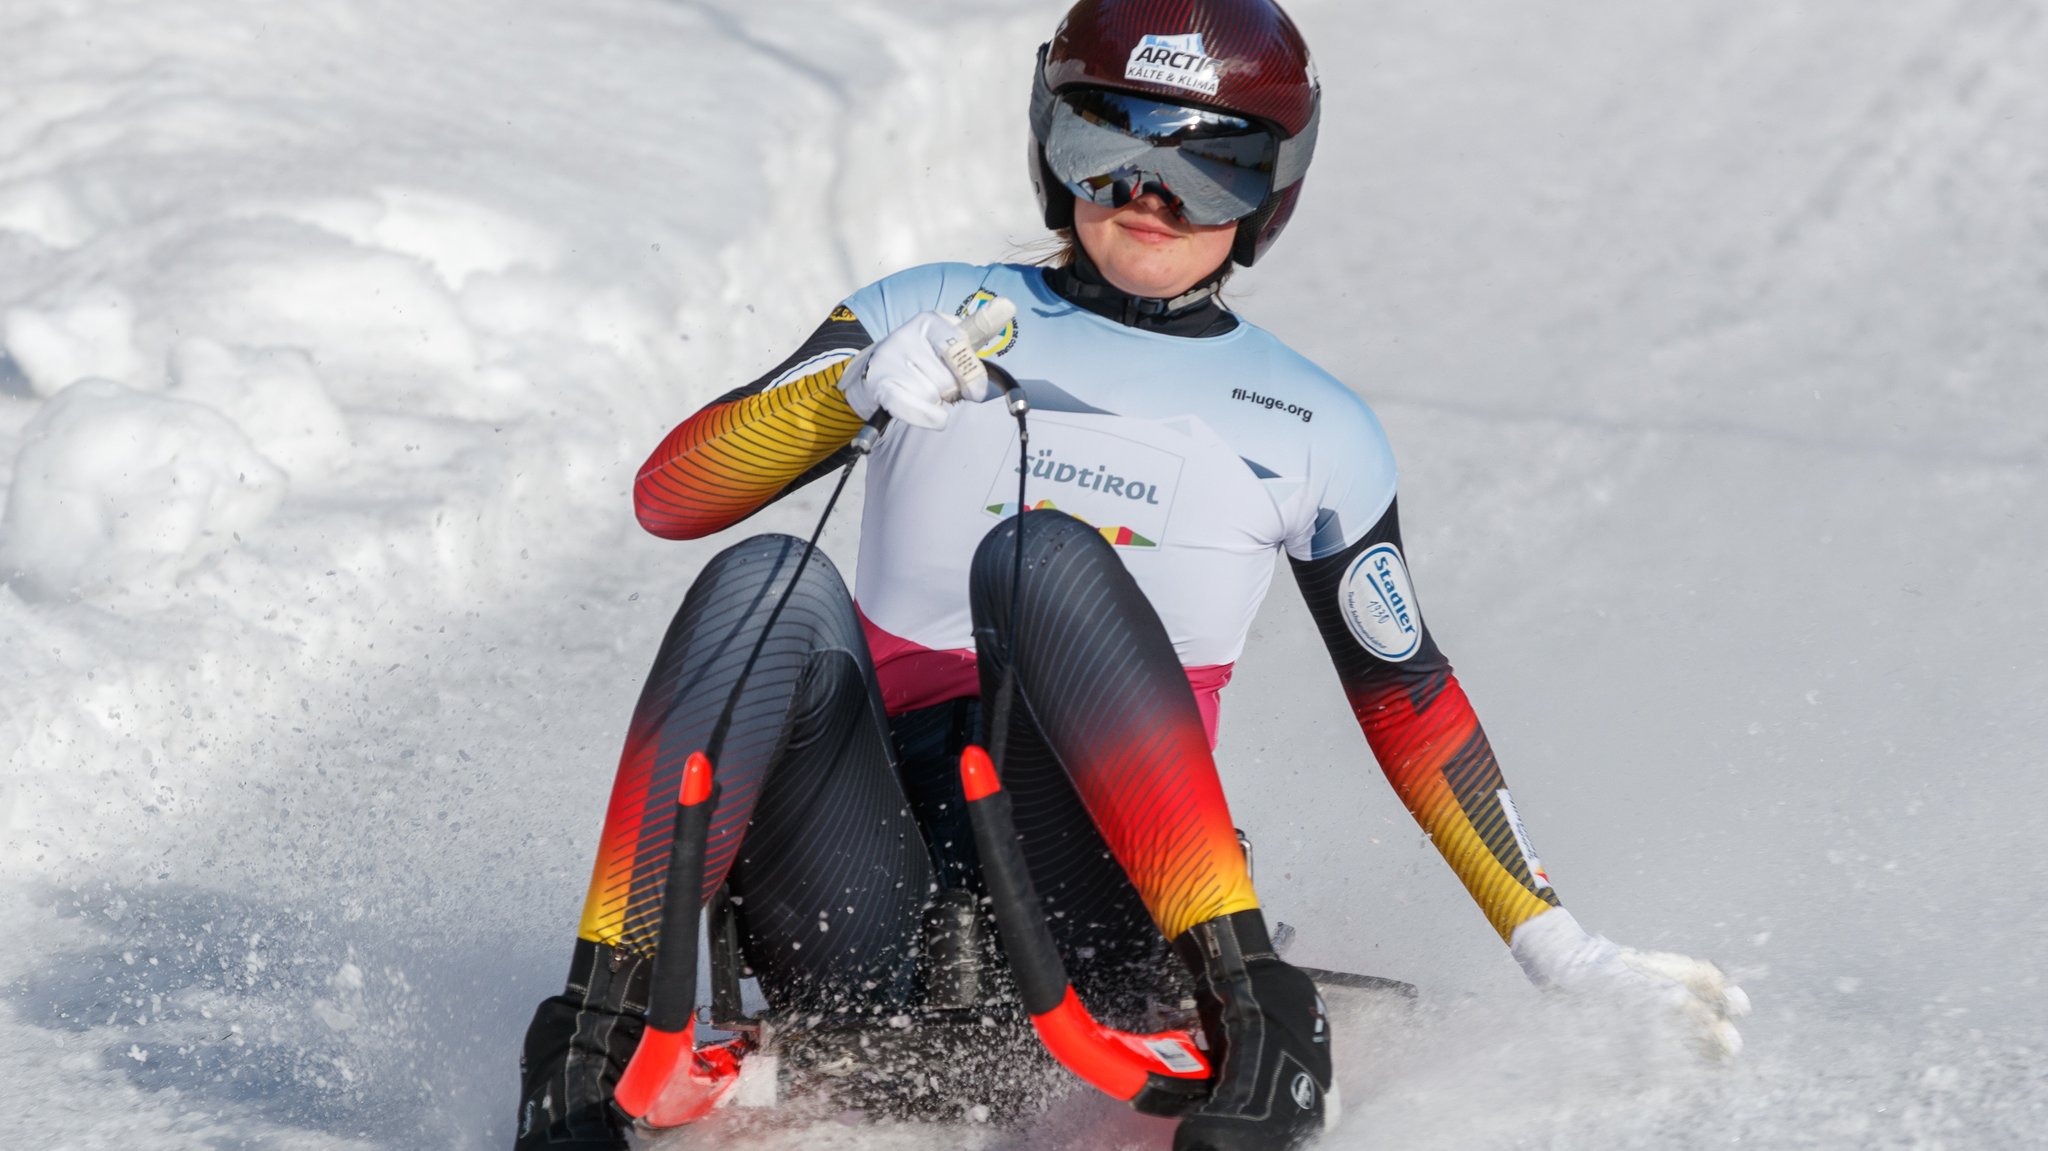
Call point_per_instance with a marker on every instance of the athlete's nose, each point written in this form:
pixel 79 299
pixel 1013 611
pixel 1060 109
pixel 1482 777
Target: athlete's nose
pixel 1150 200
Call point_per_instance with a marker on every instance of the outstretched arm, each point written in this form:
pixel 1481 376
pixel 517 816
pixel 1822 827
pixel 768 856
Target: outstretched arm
pixel 1419 724
pixel 755 444
pixel 1429 743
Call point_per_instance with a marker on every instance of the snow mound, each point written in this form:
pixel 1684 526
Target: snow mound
pixel 115 488
pixel 41 210
pixel 381 324
pixel 456 236
pixel 92 334
pixel 275 397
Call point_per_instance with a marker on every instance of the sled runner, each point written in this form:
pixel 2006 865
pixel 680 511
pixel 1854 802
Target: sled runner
pixel 1164 1073
pixel 987 1044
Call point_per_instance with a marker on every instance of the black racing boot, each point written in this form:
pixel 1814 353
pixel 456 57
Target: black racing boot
pixel 576 1048
pixel 1269 1041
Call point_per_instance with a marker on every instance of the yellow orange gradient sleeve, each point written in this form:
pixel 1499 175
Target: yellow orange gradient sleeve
pixel 727 461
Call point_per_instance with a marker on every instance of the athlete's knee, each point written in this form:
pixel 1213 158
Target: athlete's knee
pixel 768 560
pixel 746 580
pixel 1052 539
pixel 738 589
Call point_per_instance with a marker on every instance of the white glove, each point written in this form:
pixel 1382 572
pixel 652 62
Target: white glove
pixel 1556 952
pixel 915 372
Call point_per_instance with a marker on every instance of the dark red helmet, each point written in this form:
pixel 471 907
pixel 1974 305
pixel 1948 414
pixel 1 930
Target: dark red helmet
pixel 1242 57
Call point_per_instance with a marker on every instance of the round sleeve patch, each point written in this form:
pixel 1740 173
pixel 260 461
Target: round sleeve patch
pixel 1379 604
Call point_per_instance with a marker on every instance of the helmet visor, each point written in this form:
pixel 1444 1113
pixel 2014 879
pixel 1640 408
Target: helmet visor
pixel 1111 147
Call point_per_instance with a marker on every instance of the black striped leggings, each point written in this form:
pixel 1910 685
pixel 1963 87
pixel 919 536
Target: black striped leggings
pixel 836 824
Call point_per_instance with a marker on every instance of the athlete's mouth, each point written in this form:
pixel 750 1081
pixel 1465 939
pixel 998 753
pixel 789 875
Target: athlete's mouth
pixel 1151 231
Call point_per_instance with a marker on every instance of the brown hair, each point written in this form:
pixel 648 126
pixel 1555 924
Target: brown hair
pixel 1053 251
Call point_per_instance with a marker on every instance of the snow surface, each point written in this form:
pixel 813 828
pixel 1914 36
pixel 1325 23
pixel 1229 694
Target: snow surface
pixel 1714 340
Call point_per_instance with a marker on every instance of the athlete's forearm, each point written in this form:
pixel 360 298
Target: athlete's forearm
pixel 727 461
pixel 749 447
pixel 1436 756
pixel 1423 730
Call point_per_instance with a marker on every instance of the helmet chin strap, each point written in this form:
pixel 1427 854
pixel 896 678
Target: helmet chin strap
pixel 1187 299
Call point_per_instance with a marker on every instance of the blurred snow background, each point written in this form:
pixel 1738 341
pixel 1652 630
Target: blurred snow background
pixel 1713 338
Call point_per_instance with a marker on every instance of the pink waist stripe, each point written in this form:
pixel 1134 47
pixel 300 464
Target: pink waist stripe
pixel 913 676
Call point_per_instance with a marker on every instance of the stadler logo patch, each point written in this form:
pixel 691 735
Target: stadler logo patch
pixel 1176 61
pixel 1304 1091
pixel 1379 604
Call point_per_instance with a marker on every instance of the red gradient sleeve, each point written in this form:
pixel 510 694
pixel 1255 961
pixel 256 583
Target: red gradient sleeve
pixel 1429 743
pixel 1443 769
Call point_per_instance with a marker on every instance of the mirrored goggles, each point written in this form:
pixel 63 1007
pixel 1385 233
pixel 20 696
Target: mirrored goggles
pixel 1111 147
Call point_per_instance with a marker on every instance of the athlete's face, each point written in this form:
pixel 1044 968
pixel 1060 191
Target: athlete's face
pixel 1146 250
